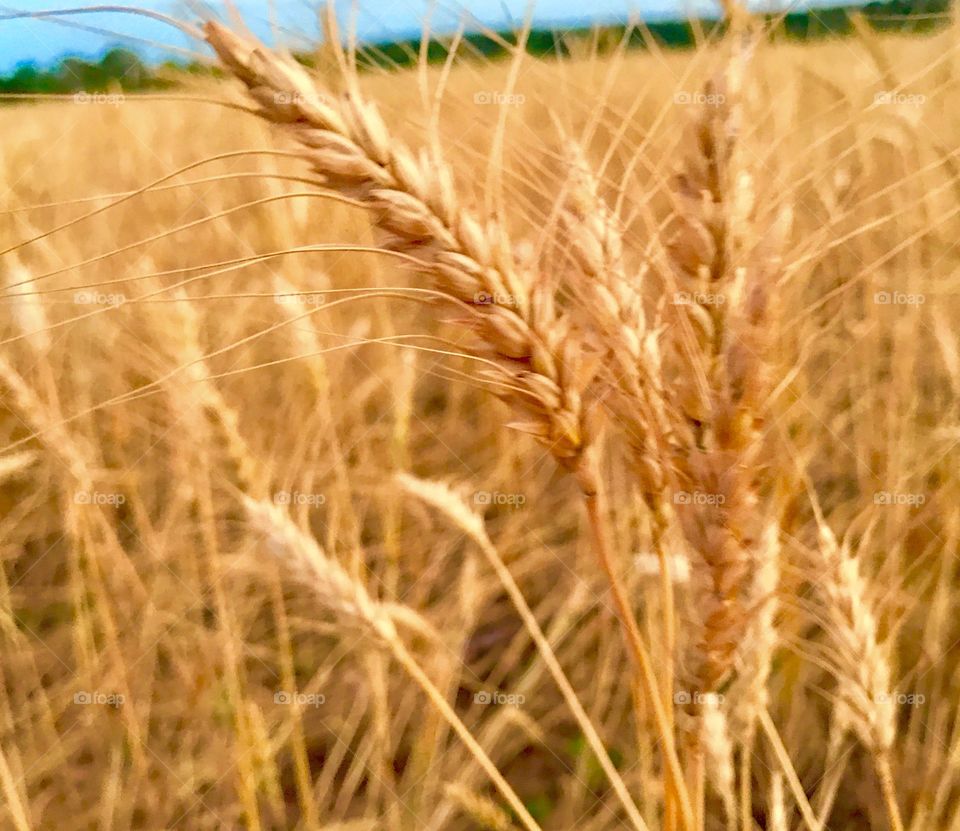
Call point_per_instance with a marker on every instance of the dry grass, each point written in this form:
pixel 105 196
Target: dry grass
pixel 234 594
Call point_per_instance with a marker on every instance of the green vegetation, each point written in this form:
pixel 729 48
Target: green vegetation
pixel 118 69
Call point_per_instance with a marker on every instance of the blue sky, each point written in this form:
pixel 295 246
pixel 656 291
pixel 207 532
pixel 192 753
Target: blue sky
pixel 45 41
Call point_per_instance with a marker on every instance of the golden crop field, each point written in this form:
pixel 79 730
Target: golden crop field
pixel 511 444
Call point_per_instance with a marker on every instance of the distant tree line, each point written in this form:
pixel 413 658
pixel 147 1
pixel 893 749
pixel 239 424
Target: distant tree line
pixel 121 69
pixel 117 69
pixel 905 16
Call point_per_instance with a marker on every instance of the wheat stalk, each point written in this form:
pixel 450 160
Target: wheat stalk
pixel 540 365
pixel 452 505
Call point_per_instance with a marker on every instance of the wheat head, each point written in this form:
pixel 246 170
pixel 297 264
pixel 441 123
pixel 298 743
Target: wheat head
pixel 538 363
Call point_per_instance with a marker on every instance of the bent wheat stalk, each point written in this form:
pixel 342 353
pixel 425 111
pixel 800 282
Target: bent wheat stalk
pixel 527 340
pixel 345 596
pixel 538 362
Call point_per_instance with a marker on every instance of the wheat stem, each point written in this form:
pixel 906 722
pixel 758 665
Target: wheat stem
pixel 783 757
pixel 592 488
pixel 885 773
pixel 406 660
pixel 746 813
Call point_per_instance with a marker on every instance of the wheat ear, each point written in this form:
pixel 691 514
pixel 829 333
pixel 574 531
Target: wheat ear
pixel 777 809
pixel 613 305
pixel 350 599
pixel 722 258
pixel 720 261
pixel 718 747
pixel 13 464
pixel 861 662
pixel 716 434
pixel 520 331
pixel 27 307
pixel 203 393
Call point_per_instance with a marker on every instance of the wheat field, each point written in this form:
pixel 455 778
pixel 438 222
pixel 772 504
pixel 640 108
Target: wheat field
pixel 531 443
